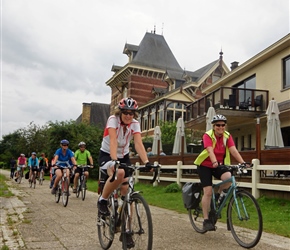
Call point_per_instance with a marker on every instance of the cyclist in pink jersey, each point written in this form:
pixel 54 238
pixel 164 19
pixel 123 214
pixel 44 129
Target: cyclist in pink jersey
pixel 21 164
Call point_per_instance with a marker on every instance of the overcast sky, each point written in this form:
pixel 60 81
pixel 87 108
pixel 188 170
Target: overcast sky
pixel 57 54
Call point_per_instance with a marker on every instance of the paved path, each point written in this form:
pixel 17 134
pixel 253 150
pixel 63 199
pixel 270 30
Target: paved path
pixel 32 220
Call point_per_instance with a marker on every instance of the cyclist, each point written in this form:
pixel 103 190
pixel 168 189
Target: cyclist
pixel 33 165
pixel 81 156
pixel 120 129
pixel 218 146
pixel 21 165
pixel 43 163
pixel 62 156
pixel 12 167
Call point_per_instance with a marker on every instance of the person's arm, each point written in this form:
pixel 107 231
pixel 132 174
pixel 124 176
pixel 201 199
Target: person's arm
pixel 212 156
pixel 91 160
pixel 113 143
pixel 139 147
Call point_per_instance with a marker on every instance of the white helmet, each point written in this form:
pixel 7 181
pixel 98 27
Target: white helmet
pixel 218 118
pixel 82 144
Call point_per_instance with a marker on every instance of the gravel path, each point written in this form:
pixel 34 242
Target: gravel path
pixel 32 220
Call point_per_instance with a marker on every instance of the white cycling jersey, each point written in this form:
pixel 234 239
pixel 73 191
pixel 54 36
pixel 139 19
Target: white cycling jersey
pixel 123 139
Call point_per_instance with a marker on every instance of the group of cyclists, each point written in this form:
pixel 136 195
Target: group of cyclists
pixel 33 163
pixel 121 128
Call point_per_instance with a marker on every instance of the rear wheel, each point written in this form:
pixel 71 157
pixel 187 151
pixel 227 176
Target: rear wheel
pixel 65 191
pixel 83 188
pixel 196 217
pixel 245 219
pixel 138 225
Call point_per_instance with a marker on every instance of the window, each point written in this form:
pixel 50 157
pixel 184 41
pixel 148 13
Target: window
pixel 286 72
pixel 249 83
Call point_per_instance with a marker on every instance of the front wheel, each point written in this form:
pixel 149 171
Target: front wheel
pixel 106 230
pixel 58 192
pixel 137 224
pixel 65 191
pixel 83 188
pixel 20 175
pixel 245 219
pixel 41 178
pixel 78 188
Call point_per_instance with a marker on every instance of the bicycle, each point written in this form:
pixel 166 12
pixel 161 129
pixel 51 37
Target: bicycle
pixel 63 185
pixel 82 186
pixel 133 217
pixel 20 175
pixel 32 180
pixel 41 176
pixel 244 217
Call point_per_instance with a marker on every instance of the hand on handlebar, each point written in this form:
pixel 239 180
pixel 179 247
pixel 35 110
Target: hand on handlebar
pixel 148 167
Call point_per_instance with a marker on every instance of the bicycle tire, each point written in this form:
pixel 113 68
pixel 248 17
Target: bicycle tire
pixel 196 217
pixel 105 226
pixel 78 188
pixel 41 178
pixel 247 231
pixel 58 192
pixel 83 188
pixel 140 224
pixel 30 183
pixel 19 177
pixel 65 191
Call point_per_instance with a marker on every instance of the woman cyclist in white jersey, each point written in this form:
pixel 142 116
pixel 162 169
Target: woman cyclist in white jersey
pixel 121 128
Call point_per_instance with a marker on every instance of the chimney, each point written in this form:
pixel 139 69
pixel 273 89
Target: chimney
pixel 234 65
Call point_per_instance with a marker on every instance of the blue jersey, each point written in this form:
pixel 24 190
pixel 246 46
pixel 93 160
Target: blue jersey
pixel 64 158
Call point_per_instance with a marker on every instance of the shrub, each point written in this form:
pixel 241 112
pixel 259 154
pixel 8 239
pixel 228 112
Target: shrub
pixel 172 188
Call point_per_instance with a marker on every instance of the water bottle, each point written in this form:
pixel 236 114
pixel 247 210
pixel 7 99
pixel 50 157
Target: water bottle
pixel 222 195
pixel 120 203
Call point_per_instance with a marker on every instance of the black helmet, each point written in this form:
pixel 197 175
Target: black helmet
pixel 218 118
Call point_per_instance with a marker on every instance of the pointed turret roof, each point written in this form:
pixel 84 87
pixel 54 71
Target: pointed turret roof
pixel 154 52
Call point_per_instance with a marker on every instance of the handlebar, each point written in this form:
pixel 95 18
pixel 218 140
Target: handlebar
pixel 84 166
pixel 241 167
pixel 132 168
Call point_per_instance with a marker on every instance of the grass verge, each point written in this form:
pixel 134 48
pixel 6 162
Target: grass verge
pixel 4 191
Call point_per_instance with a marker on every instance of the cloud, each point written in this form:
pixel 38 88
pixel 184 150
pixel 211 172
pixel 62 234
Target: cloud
pixel 58 54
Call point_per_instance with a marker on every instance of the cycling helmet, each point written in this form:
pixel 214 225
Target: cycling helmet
pixel 82 144
pixel 64 141
pixel 218 118
pixel 33 153
pixel 128 104
pixel 22 155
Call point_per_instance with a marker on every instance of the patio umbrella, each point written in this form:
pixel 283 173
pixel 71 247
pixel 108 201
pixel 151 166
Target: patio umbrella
pixel 209 115
pixel 274 135
pixel 156 140
pixel 178 137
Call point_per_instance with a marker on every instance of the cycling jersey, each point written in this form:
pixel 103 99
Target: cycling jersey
pixel 123 139
pixel 64 158
pixel 33 162
pixel 21 160
pixel 81 157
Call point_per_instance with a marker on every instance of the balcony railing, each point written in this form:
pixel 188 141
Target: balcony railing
pixel 229 98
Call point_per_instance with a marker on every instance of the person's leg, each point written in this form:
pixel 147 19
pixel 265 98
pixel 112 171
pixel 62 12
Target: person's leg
pixel 58 174
pixel 76 182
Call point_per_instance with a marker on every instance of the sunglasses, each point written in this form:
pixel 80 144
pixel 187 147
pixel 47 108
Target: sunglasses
pixel 65 145
pixel 128 113
pixel 220 125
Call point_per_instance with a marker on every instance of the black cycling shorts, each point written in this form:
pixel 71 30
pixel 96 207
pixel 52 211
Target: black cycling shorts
pixel 105 157
pixel 206 173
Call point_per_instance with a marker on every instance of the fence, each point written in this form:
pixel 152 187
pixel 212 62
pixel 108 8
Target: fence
pixel 256 184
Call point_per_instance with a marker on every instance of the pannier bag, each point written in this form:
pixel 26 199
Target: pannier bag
pixel 191 194
pixel 27 175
